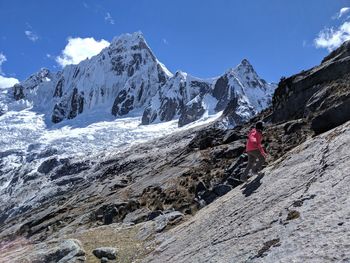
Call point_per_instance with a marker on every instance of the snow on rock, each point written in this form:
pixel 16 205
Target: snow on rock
pixel 241 92
pixel 30 149
pixel 126 80
pixel 189 98
pixel 123 77
pixel 173 100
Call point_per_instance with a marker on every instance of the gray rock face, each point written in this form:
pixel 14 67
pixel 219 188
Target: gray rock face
pixel 123 104
pixel 168 109
pixel 137 216
pixel 58 251
pixel 220 92
pixel 149 116
pixel 166 219
pixel 191 113
pixel 262 220
pixel 18 92
pixel 48 165
pixel 320 93
pixel 105 252
pixel 77 104
pixel 230 112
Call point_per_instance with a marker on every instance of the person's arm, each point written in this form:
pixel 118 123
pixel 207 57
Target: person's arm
pixel 258 142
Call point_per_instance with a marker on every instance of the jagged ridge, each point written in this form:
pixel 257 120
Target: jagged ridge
pixel 126 78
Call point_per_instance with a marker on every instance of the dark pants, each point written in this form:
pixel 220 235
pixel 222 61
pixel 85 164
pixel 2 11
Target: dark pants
pixel 255 162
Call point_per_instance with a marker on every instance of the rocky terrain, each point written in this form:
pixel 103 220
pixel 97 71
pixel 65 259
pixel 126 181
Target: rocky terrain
pixel 175 199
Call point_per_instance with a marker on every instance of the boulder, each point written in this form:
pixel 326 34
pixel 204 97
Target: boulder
pixel 166 219
pixel 229 152
pixel 208 197
pixel 137 216
pixel 105 252
pixel 231 136
pixel 58 251
pixel 293 126
pixel 221 189
pixel 331 118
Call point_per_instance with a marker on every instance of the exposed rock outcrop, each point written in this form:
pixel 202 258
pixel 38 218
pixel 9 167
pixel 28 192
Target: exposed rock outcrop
pixel 301 199
pixel 320 94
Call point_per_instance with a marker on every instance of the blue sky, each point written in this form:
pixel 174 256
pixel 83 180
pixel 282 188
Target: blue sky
pixel 201 37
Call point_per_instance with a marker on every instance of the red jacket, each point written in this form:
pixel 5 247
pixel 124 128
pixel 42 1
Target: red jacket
pixel 254 141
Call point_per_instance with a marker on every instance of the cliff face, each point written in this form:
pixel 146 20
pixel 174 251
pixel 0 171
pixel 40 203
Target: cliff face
pixel 318 93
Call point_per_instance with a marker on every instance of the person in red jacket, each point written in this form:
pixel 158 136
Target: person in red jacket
pixel 255 151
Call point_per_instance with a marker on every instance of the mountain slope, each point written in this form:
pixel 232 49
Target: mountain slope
pixel 298 211
pixel 176 198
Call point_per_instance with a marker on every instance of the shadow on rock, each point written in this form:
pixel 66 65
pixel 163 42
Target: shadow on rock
pixel 250 188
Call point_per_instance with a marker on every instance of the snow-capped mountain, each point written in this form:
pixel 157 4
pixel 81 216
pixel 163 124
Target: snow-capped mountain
pixel 176 97
pixel 126 79
pixel 189 98
pixel 122 78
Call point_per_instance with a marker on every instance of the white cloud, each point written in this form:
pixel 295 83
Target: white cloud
pixel 79 49
pixel 7 82
pixel 109 18
pixel 2 60
pixel 331 38
pixel 343 12
pixel 31 35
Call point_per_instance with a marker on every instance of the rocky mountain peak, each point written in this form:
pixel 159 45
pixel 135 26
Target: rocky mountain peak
pixel 342 52
pixel 41 75
pixel 132 38
pixel 245 63
pixel 245 68
pixel 134 43
pixel 127 76
pixel 180 74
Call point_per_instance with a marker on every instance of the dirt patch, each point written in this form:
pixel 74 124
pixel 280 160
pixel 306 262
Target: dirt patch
pixel 266 247
pixel 293 215
pixel 124 240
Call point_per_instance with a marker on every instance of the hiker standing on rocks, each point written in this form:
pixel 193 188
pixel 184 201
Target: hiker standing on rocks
pixel 255 151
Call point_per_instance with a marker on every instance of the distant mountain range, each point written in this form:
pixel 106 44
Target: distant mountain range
pixel 126 79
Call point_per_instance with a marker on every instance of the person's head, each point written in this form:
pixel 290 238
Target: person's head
pixel 259 126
